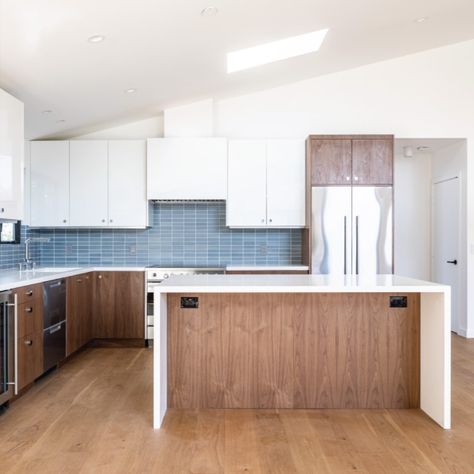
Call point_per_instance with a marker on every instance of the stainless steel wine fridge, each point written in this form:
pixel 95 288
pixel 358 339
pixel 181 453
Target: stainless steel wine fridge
pixel 8 375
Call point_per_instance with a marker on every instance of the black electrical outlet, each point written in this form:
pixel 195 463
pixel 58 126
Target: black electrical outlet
pixel 189 302
pixel 398 302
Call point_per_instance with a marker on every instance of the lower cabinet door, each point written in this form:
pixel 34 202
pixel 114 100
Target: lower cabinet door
pixel 30 358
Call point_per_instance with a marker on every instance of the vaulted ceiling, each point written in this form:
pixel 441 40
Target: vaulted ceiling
pixel 172 54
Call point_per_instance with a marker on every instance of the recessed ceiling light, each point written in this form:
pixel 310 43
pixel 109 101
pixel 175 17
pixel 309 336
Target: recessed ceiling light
pixel 422 19
pixel 209 11
pixel 130 91
pixel 275 51
pixel 96 38
pixel 47 112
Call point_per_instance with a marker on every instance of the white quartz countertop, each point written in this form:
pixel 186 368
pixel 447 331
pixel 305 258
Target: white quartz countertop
pixel 266 268
pixel 296 284
pixel 10 279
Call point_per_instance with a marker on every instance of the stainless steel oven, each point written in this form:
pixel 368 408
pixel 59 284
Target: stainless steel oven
pixel 154 276
pixel 8 349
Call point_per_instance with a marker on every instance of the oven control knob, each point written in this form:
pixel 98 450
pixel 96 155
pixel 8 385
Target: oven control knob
pixel 166 275
pixel 154 274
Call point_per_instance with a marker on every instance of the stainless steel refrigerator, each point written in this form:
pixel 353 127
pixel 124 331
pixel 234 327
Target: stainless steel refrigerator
pixel 352 230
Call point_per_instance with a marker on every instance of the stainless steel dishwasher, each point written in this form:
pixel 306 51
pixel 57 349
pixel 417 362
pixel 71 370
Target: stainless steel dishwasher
pixel 54 323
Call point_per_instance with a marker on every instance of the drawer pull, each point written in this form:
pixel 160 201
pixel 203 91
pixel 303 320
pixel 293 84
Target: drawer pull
pixel 28 310
pixel 29 293
pixel 79 280
pixel 28 342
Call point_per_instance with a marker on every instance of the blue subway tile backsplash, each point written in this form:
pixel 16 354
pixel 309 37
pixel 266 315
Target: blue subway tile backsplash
pixel 181 234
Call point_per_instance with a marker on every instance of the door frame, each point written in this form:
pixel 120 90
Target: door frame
pixel 459 293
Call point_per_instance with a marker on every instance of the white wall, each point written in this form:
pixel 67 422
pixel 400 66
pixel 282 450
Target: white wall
pixel 148 128
pixel 428 94
pixel 412 211
pixel 190 120
pixel 448 162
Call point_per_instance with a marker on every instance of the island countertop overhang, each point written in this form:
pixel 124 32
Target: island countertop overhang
pixel 297 284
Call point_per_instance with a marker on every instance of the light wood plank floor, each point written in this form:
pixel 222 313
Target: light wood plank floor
pixel 94 415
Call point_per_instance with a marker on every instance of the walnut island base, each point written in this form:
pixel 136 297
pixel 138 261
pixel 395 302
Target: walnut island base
pixel 302 341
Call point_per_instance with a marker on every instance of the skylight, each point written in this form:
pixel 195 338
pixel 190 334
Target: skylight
pixel 275 51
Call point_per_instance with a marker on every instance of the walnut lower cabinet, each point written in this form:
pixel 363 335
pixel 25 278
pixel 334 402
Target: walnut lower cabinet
pixel 119 305
pixel 30 334
pixel 79 312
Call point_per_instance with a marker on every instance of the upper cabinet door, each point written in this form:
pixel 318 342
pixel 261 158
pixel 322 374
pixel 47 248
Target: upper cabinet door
pixel 187 168
pixel 128 206
pixel 49 183
pixel 88 183
pixel 372 162
pixel 246 197
pixel 11 157
pixel 286 183
pixel 331 162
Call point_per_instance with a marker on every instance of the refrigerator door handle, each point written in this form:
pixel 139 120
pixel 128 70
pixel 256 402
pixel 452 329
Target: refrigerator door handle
pixel 357 245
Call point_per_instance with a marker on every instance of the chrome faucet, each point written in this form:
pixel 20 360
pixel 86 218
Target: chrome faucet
pixel 28 242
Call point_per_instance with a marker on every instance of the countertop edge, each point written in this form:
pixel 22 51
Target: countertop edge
pixel 34 279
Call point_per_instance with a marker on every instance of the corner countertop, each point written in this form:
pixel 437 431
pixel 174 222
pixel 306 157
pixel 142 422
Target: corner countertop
pixel 10 279
pixel 297 284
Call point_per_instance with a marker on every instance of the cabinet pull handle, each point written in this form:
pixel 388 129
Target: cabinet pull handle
pixel 271 220
pixel 79 280
pixel 263 220
pixel 29 293
pixel 348 178
pixel 100 277
pixel 64 221
pixel 111 220
pixel 28 342
pixel 356 178
pixel 28 310
pixel 103 220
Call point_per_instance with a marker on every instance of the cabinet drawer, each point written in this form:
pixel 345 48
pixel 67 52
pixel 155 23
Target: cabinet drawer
pixel 30 293
pixel 30 317
pixel 30 358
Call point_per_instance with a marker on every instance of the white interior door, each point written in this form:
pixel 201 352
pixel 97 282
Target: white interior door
pixel 446 207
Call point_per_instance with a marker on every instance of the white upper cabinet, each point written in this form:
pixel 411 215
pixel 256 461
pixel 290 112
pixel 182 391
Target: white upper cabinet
pixel 266 183
pixel 128 205
pixel 88 172
pixel 11 157
pixel 89 183
pixel 49 174
pixel 286 172
pixel 246 196
pixel 187 168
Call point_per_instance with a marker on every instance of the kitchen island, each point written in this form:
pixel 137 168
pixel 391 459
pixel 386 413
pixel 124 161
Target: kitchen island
pixel 302 341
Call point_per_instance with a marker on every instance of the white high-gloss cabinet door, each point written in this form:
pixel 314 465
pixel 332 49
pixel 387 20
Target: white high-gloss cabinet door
pixel 88 183
pixel 128 206
pixel 187 168
pixel 49 174
pixel 286 183
pixel 246 195
pixel 11 157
